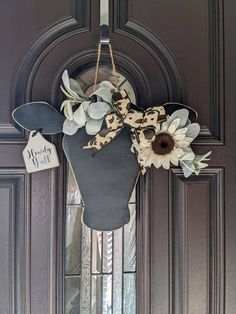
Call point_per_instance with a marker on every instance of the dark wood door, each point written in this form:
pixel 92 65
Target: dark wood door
pixel 170 51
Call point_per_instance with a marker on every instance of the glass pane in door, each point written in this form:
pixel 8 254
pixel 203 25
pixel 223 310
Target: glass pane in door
pixel 100 267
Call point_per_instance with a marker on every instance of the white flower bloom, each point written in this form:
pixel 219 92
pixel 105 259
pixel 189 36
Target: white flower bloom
pixel 168 143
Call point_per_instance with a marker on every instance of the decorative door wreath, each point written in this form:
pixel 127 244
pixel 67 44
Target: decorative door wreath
pixel 109 141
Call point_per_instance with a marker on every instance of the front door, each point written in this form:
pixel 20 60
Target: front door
pixel 168 50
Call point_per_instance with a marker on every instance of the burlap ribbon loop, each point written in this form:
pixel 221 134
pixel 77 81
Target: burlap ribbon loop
pixel 140 121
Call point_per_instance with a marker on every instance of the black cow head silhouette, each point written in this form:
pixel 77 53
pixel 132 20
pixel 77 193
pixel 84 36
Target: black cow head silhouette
pixel 106 179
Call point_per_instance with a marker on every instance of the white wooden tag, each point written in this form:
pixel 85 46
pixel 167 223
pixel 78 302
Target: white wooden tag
pixel 39 154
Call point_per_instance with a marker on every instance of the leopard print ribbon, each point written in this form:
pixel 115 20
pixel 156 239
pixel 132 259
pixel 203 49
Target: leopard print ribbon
pixel 141 122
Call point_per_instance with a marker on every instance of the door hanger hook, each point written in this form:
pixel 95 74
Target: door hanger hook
pixel 104 34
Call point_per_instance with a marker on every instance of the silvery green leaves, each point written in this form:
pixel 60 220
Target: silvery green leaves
pixel 98 110
pixel 186 131
pixel 191 163
pixel 70 127
pixel 104 93
pixel 93 126
pixel 80 116
pixel 74 93
pixel 72 88
pixel 89 114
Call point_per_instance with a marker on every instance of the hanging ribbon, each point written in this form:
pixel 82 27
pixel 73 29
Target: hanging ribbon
pixel 141 122
pixel 114 72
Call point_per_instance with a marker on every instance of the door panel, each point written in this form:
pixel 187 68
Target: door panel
pixel 186 237
pixel 14 224
pixel 189 48
pixel 197 221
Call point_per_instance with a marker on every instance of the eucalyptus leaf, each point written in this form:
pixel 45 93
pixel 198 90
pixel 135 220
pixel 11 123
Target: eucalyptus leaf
pixel 107 84
pixel 186 171
pixel 187 167
pixel 200 158
pixel 74 85
pixel 189 156
pixel 93 126
pixel 173 126
pixel 66 82
pixel 70 127
pixel 65 103
pixel 65 92
pixel 199 161
pixel 68 112
pixel 105 93
pixel 85 105
pixel 193 130
pixel 80 117
pixel 98 110
pixel 200 165
pixel 182 114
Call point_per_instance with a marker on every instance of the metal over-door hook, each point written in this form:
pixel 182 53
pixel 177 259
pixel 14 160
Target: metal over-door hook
pixel 104 34
pixel 105 41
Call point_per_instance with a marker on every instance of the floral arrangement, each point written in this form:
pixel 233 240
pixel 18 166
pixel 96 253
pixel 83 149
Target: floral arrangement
pixel 158 138
pixel 89 111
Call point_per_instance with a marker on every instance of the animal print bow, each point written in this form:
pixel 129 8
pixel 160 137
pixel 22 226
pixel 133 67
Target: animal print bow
pixel 142 122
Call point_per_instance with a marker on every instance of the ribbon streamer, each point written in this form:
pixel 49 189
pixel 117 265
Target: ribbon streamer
pixel 141 122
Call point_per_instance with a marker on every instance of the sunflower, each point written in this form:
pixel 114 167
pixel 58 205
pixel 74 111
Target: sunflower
pixel 167 142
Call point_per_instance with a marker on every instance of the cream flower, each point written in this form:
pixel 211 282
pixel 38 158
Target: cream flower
pixel 168 143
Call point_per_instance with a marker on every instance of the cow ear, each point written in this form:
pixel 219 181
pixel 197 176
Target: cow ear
pixel 171 107
pixel 39 115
